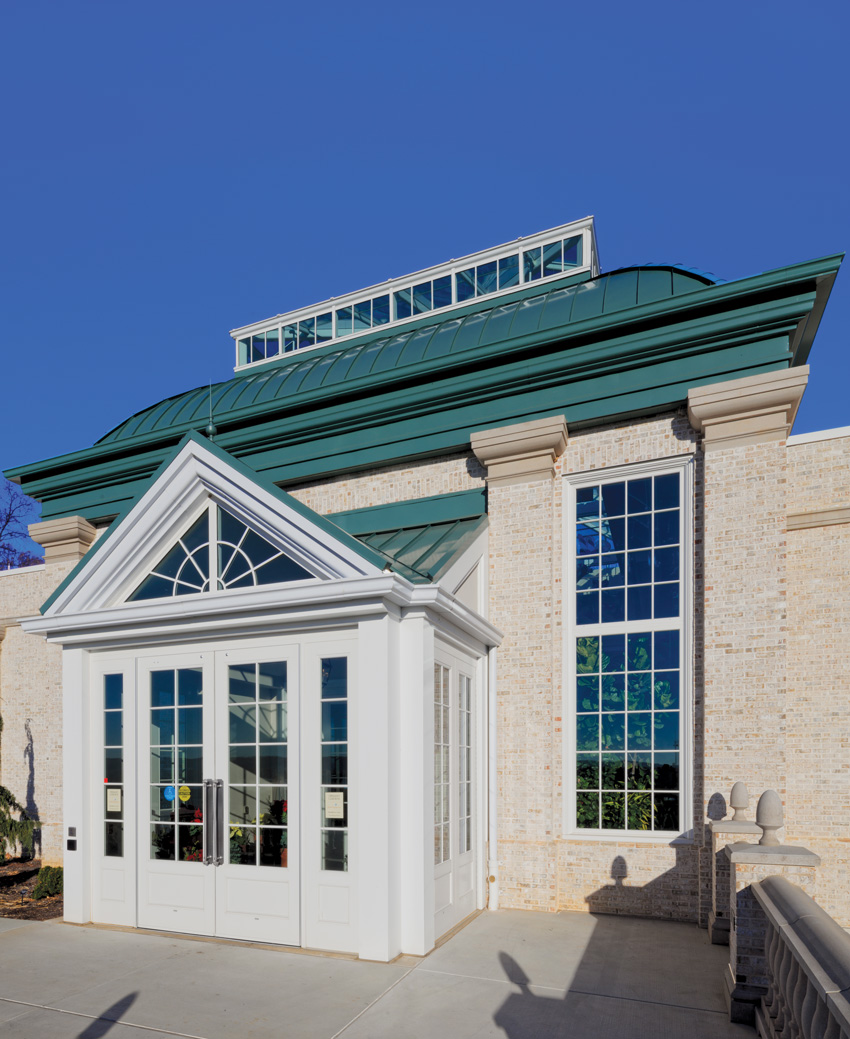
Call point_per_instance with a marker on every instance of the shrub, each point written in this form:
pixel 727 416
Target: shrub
pixel 49 882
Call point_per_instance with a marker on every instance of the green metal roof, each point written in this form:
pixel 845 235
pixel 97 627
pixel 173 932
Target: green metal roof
pixel 423 554
pixel 631 343
pixel 430 339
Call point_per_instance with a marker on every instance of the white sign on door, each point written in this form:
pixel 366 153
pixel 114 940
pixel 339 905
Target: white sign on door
pixel 334 804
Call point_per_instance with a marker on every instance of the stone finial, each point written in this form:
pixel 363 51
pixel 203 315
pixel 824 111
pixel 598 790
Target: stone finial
pixel 740 801
pixel 769 817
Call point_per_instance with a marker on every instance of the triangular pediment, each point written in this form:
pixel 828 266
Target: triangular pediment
pixel 208 526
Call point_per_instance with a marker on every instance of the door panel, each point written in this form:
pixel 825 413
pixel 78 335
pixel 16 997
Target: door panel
pixel 176 719
pixel 257 892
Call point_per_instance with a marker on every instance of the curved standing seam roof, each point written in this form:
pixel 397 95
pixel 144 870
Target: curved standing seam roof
pixel 379 352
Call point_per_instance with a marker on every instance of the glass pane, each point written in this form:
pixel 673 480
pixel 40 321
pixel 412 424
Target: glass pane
pixel 488 278
pixel 667 812
pixel 509 271
pixel 613 570
pixel 113 840
pixel 162 727
pixel 380 310
pixel 531 264
pixel 613 499
pixel 273 805
pixel 640 652
pixel 271 722
pixel 667 600
pixel 640 731
pixel 243 764
pixel 244 351
pixel 587 608
pixel 666 773
pixel 290 338
pixel 639 771
pixel 324 327
pixel 442 292
pixel 613 692
pixel 587 655
pixel 334 678
pixel 587 503
pixel 465 285
pixel 613 811
pixel 162 803
pixel 639 692
pixel 640 495
pixel 272 680
pixel 190 842
pixel 243 845
pixel 613 771
pixel 162 842
pixel 272 342
pixel 587 811
pixel 335 763
pixel 587 771
pixel 666 649
pixel 667 491
pixel 552 259
pixel 162 688
pixel 640 603
pixel 190 725
pixel 335 850
pixel 587 572
pixel 243 724
pixel 613 733
pixel 258 346
pixel 587 693
pixel 613 605
pixel 335 721
pixel 273 847
pixel 162 765
pixel 587 732
pixel 572 251
pixel 243 805
pixel 402 304
pixel 613 652
pixel 113 728
pixel 667 528
pixel 640 812
pixel 422 297
pixel 666 564
pixel 189 686
pixel 113 692
pixel 272 764
pixel 190 765
pixel 241 683
pixel 363 316
pixel 640 530
pixel 307 332
pixel 666 733
pixel 344 318
pixel 666 690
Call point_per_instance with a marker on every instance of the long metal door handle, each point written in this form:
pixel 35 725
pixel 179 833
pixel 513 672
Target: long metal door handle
pixel 209 821
pixel 219 821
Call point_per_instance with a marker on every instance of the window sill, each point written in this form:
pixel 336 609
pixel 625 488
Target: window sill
pixel 671 839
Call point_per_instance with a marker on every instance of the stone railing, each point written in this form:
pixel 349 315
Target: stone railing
pixel 807 960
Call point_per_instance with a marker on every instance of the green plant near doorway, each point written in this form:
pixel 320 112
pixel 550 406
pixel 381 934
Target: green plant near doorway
pixel 13 831
pixel 49 882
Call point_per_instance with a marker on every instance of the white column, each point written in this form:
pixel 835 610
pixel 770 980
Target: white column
pixel 77 779
pixel 416 783
pixel 378 791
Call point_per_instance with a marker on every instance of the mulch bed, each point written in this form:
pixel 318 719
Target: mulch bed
pixel 17 879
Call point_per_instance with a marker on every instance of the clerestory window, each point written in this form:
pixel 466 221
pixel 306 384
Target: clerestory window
pixel 218 552
pixel 628 674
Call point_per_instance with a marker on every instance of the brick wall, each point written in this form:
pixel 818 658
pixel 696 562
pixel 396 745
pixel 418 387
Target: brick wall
pixel 31 703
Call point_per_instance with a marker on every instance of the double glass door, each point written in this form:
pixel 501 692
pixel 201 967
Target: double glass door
pixel 219 830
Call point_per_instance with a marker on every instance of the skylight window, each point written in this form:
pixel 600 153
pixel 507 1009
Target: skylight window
pixel 562 251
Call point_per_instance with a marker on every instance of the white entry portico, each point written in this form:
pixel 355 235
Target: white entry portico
pixel 270 735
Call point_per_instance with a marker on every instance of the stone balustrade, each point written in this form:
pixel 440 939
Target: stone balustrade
pixel 807 960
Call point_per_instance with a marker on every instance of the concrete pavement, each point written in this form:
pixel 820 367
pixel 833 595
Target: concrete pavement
pixel 514 974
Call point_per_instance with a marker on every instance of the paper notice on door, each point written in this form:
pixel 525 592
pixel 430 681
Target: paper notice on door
pixel 334 804
pixel 113 799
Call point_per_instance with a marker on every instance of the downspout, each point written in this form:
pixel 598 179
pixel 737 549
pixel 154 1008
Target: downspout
pixel 492 788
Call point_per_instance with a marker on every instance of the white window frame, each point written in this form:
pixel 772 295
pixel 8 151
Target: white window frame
pixel 683 464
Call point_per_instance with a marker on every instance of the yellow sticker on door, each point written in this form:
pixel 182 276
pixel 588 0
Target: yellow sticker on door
pixel 184 793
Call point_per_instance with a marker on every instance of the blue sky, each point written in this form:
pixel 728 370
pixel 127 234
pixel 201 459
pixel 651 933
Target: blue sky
pixel 171 171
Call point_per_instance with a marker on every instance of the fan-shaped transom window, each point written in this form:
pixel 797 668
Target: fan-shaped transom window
pixel 220 552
